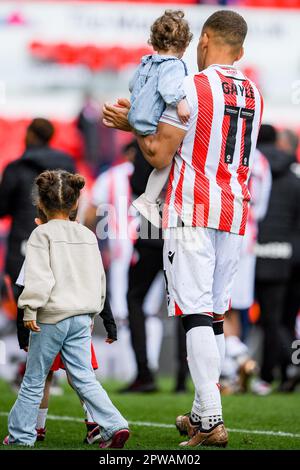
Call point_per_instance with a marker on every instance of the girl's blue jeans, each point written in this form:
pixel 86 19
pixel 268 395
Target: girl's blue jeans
pixel 72 338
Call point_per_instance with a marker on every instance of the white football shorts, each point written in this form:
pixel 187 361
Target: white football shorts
pixel 199 266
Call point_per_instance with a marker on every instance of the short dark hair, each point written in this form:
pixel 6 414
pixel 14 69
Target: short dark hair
pixel 170 31
pixel 132 145
pixel 58 191
pixel 267 134
pixel 229 26
pixel 42 129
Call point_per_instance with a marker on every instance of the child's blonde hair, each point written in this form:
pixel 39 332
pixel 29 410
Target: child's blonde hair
pixel 170 31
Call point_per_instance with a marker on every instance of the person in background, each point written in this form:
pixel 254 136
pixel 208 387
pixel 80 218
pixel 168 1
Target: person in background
pixel 111 192
pixel 238 365
pixel 16 199
pixel 145 268
pixel 99 145
pixel 288 141
pixel 149 255
pixel 112 195
pixel 275 253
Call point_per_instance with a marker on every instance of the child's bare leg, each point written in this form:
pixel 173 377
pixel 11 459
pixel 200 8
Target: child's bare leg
pixel 146 204
pixel 156 183
pixel 43 411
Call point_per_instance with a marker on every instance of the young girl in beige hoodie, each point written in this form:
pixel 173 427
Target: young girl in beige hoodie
pixel 64 289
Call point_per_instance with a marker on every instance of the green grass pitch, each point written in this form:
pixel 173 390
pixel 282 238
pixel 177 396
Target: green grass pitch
pixel 253 422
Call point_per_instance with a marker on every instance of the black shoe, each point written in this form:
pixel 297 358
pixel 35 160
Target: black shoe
pixel 289 385
pixel 180 388
pixel 140 386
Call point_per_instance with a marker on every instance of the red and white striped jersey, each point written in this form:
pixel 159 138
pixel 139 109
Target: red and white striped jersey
pixel 111 193
pixel 208 182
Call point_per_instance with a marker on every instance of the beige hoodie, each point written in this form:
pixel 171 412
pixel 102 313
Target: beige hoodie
pixel 64 274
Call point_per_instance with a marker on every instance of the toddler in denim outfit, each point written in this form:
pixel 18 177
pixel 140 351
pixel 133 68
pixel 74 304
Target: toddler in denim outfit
pixel 156 83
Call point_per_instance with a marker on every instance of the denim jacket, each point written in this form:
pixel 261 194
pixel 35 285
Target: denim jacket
pixel 156 83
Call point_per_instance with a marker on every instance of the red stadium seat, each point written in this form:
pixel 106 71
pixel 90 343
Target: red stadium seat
pixel 94 57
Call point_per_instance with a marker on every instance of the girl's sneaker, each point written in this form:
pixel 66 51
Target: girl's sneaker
pixel 117 441
pixel 6 441
pixel 93 433
pixel 41 434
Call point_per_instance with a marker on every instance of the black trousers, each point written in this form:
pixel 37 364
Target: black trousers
pixel 291 309
pixel 271 298
pixel 141 276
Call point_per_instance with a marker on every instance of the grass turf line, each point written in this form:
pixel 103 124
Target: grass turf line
pixel 272 413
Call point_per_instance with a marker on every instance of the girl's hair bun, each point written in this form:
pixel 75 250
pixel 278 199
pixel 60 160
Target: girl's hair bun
pixel 45 180
pixel 76 181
